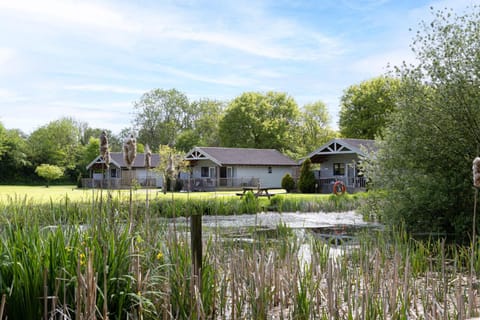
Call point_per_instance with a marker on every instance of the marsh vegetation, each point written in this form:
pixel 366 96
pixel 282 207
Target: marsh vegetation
pixel 83 260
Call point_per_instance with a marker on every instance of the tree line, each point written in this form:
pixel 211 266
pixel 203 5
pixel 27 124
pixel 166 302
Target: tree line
pixel 167 118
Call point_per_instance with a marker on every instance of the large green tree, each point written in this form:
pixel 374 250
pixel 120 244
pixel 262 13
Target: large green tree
pixel 365 107
pixel 424 163
pixel 314 129
pixel 258 120
pixel 14 164
pixel 206 117
pixel 161 115
pixel 57 143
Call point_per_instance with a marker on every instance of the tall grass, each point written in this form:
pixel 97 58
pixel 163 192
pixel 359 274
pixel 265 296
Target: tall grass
pixel 55 265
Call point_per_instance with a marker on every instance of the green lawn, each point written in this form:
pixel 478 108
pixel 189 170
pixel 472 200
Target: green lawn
pixel 58 193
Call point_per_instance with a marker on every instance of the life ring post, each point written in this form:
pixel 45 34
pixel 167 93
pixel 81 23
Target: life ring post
pixel 339 188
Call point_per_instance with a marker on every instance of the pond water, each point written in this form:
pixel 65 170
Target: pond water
pixel 334 226
pixel 294 220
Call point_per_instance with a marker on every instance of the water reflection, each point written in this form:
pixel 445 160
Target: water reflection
pixel 294 220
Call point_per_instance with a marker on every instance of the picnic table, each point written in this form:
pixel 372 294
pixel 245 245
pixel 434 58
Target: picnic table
pixel 257 192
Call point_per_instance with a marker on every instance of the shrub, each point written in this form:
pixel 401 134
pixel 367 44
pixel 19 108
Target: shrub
pixel 306 182
pixel 288 183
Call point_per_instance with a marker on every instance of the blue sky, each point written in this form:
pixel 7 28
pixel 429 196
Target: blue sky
pixel 91 60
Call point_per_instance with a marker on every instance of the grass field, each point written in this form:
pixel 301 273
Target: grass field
pixel 58 193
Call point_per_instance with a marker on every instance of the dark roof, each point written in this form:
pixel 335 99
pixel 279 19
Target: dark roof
pixel 139 161
pixel 240 156
pixel 117 159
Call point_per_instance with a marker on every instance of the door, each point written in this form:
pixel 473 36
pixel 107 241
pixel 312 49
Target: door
pixel 226 174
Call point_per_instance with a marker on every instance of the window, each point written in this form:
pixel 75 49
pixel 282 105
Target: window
pixel 113 172
pixel 339 169
pixel 208 172
pixel 212 173
pixel 269 169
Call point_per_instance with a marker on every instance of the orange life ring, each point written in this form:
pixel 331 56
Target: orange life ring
pixel 339 188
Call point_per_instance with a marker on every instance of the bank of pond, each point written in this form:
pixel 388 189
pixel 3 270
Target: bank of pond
pixel 277 258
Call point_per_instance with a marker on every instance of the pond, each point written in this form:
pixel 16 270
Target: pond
pixel 337 229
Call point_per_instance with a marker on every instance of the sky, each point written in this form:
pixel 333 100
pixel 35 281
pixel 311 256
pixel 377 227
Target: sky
pixel 91 60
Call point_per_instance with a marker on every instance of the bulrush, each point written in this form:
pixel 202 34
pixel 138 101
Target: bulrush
pixel 476 172
pixel 148 157
pixel 104 148
pixel 129 150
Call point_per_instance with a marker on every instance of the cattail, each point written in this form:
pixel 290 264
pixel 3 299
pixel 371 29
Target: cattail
pixel 104 148
pixel 476 172
pixel 129 151
pixel 148 157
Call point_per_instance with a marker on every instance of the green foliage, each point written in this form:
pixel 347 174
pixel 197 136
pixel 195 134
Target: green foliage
pixel 424 164
pixel 14 163
pixel 288 183
pixel 256 120
pixel 208 114
pixel 249 203
pixel 49 172
pixel 161 115
pixel 306 182
pixel 56 143
pixel 314 127
pixel 365 108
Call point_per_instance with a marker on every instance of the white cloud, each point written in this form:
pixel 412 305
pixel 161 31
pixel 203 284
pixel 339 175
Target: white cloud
pixel 104 88
pixel 11 96
pixel 6 54
pixel 68 12
pixel 377 64
pixel 230 80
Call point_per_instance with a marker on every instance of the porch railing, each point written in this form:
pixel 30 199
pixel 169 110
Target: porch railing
pixel 117 183
pixel 355 182
pixel 202 184
pixel 325 185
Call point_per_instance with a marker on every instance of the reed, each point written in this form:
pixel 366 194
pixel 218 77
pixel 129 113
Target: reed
pixel 54 265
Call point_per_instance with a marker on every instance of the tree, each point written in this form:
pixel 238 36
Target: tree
pixel 87 153
pixel 365 107
pixel 306 181
pixel 314 127
pixel 170 165
pixel 49 172
pixel 256 120
pixel 205 125
pixel 3 140
pixel 161 115
pixel 56 143
pixel 14 164
pixel 87 132
pixel 424 163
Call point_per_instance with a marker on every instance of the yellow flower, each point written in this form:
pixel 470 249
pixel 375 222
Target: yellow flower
pixel 160 256
pixel 83 259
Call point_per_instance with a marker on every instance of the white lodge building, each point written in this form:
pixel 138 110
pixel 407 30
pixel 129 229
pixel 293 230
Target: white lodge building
pixel 217 168
pixel 339 160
